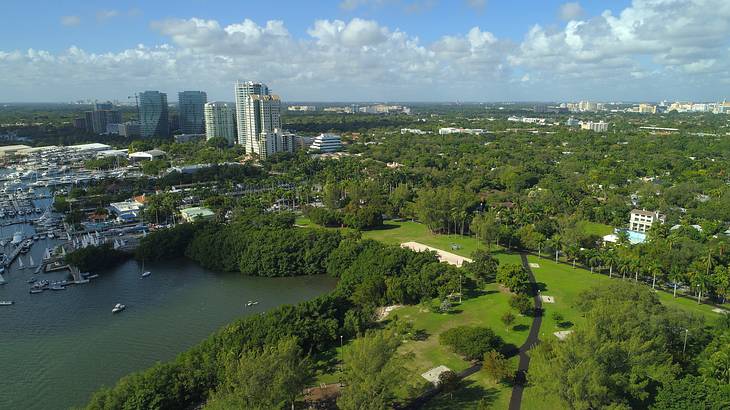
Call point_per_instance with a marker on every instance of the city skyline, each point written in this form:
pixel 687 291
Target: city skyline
pixel 374 50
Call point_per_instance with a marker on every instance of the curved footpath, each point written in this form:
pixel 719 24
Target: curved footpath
pixel 532 339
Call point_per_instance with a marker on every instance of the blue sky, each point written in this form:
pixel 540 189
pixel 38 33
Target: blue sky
pixel 481 50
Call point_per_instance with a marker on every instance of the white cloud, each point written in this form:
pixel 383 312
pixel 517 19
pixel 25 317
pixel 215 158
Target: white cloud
pixel 103 15
pixel 478 5
pixel 70 21
pixel 652 39
pixel 570 11
pixel 651 49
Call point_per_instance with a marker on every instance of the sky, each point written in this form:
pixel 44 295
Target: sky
pixel 368 50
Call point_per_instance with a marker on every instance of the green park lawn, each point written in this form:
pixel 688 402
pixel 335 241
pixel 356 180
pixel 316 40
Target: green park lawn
pixel 561 281
pixel 483 310
pixel 565 283
pixel 595 228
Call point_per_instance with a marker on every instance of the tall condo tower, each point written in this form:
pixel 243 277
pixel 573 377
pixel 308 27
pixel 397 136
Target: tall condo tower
pixel 153 114
pixel 190 106
pixel 220 121
pixel 244 89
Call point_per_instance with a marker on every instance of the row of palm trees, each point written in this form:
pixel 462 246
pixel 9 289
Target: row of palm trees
pixel 704 275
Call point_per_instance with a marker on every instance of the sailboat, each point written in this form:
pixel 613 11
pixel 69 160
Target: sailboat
pixel 20 263
pixel 145 273
pixel 31 263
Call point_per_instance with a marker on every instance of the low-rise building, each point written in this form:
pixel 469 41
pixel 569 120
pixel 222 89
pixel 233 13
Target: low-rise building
pixel 196 213
pixel 599 126
pixel 327 143
pixel 453 130
pixel 150 155
pixel 641 220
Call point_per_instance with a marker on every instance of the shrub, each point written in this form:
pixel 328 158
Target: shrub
pixel 470 341
pixel 521 303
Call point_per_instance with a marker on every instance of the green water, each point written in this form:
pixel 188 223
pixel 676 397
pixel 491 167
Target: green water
pixel 56 348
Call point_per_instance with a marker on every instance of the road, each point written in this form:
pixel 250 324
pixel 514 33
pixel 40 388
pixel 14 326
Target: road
pixel 532 339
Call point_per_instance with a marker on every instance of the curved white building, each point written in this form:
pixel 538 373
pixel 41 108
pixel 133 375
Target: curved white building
pixel 327 143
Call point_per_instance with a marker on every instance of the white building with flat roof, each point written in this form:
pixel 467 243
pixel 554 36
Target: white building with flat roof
pixel 641 219
pixel 327 143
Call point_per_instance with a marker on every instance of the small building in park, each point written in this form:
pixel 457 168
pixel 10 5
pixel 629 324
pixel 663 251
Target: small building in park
pixel 196 213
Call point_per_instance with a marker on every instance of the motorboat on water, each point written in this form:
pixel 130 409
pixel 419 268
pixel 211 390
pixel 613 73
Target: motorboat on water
pixel 6 302
pixel 32 280
pixel 34 291
pixel 58 287
pixel 252 303
pixel 146 273
pixel 118 308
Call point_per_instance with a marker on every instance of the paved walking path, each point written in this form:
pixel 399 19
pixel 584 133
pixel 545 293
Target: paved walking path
pixel 532 339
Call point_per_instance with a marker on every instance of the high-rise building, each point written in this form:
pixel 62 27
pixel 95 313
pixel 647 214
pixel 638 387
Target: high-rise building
pixel 190 107
pixel 262 117
pixel 153 114
pixel 102 115
pixel 243 89
pixel 220 121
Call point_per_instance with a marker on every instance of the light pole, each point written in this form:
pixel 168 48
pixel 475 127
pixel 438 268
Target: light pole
pixel 341 357
pixel 686 333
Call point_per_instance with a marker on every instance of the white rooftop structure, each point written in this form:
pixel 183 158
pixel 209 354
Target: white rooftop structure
pixel 94 146
pixel 147 155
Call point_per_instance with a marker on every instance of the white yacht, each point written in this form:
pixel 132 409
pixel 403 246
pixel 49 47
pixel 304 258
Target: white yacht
pixel 17 238
pixel 118 308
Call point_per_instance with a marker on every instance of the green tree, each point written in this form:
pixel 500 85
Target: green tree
pixel 497 366
pixel 270 378
pixel 449 382
pixel 372 372
pixel 513 277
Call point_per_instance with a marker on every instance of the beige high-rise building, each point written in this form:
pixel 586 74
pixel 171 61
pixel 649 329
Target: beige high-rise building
pixel 262 116
pixel 243 89
pixel 220 121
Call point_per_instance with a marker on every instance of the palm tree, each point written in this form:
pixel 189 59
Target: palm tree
pixel 636 265
pixel 556 243
pixel 594 259
pixel 624 266
pixel 609 257
pixel 676 277
pixel 572 252
pixel 655 269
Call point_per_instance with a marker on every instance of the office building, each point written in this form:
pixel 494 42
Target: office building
pixel 129 129
pixel 327 143
pixel 103 114
pixel 190 108
pixel 572 122
pixel 80 123
pixel 220 121
pixel 599 126
pixel 647 109
pixel 153 113
pixel 242 90
pixel 641 220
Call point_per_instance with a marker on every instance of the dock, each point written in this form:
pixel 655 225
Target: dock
pixel 12 255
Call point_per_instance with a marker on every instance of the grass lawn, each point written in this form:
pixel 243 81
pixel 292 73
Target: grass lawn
pixel 565 283
pixel 484 310
pixel 595 228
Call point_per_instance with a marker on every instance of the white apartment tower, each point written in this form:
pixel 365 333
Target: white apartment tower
pixel 220 121
pixel 243 89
